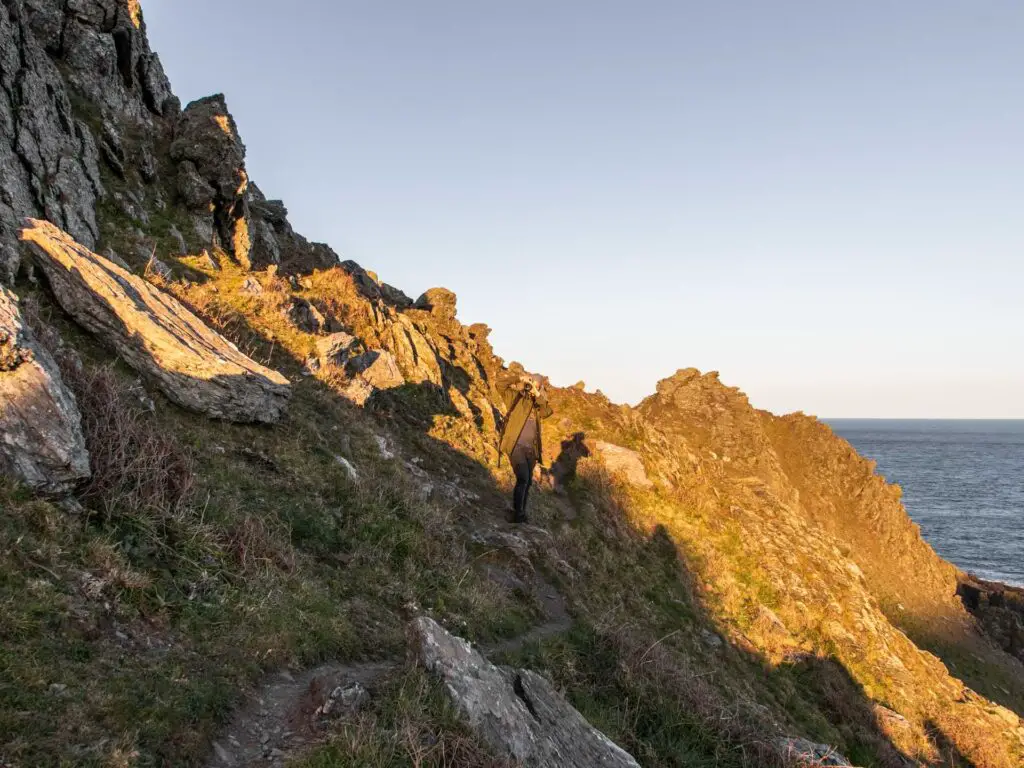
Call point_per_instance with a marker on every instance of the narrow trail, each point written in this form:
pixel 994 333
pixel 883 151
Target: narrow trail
pixel 286 714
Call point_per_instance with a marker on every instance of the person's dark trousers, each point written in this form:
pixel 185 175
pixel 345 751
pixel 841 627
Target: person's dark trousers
pixel 523 461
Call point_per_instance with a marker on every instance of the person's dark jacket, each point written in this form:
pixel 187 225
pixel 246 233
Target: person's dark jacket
pixel 521 405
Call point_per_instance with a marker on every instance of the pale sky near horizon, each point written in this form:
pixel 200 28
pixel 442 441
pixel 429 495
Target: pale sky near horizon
pixel 822 201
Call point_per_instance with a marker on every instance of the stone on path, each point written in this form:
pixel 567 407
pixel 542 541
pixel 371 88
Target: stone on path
pixel 516 712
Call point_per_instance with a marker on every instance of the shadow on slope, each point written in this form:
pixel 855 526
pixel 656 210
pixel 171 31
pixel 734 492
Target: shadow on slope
pixel 131 630
pixel 915 588
pixel 286 559
pixel 647 664
pixel 643 666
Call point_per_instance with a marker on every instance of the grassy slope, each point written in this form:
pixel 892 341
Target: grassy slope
pixel 155 617
pixel 710 618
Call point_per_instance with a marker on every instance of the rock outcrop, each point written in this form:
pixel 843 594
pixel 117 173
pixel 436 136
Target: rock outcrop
pixel 622 462
pixel 227 208
pixel 438 301
pixel 212 179
pixel 515 711
pixel 999 609
pixel 48 157
pixel 192 365
pixel 41 441
pixel 84 98
pixel 373 370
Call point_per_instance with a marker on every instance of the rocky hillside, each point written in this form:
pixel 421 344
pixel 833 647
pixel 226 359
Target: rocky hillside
pixel 252 507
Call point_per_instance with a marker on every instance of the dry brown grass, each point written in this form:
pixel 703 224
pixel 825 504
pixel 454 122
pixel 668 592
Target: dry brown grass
pixel 135 467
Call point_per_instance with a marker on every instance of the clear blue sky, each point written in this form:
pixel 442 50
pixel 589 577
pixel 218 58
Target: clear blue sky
pixel 824 201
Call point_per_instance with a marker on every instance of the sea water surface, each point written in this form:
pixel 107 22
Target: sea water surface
pixel 963 483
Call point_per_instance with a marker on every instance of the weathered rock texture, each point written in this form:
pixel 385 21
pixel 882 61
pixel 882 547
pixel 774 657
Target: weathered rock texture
pixel 48 157
pixel 622 462
pixel 998 608
pixel 515 711
pixel 87 114
pixel 155 334
pixel 41 440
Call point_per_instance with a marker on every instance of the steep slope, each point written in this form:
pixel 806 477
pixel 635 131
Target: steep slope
pixel 723 587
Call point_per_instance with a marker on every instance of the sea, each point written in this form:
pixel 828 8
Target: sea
pixel 962 481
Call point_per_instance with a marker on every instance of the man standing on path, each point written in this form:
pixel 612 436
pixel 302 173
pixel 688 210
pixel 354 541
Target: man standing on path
pixel 520 436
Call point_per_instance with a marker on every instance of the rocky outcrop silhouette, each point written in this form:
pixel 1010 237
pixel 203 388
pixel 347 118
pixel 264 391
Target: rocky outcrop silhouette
pixel 192 365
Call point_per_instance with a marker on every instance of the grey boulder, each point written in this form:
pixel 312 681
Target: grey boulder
pixel 516 712
pixel 41 441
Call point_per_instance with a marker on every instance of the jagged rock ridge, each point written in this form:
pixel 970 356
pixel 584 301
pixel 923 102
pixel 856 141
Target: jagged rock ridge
pixel 89 119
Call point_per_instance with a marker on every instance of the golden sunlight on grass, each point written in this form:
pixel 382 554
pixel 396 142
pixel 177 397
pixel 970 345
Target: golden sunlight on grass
pixel 224 123
pixel 135 12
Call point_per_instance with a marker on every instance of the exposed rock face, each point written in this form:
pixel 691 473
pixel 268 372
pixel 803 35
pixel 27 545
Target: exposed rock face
pixel 212 157
pixel 48 158
pixel 53 148
pixel 622 462
pixel 104 45
pixel 275 242
pixel 999 610
pixel 41 441
pixel 438 301
pixel 191 364
pixel 373 370
pixel 517 712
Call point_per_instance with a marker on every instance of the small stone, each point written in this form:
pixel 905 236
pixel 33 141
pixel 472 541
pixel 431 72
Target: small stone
pixel 252 285
pixel 382 445
pixel 348 699
pixel 710 639
pixel 349 469
pixel 222 754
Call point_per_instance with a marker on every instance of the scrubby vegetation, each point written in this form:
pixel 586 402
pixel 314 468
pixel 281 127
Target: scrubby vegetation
pixel 203 554
pixel 709 620
pixel 735 584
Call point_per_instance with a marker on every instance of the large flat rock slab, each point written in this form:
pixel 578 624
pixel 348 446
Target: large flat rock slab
pixel 41 441
pixel 193 365
pixel 516 712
